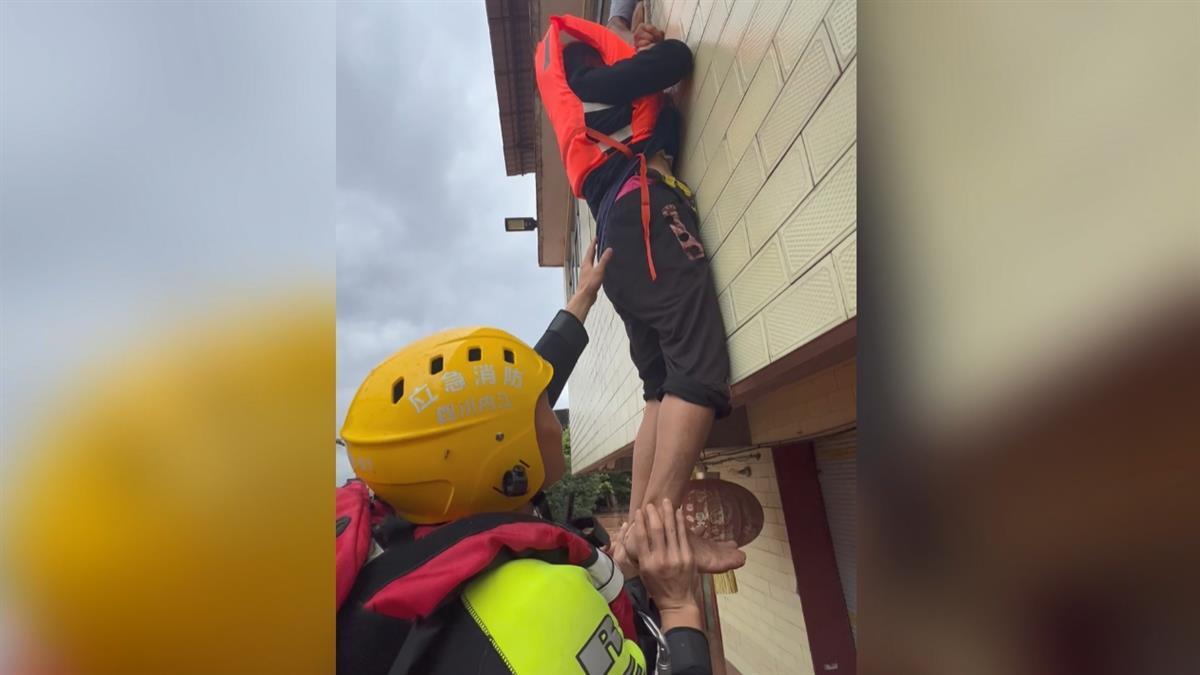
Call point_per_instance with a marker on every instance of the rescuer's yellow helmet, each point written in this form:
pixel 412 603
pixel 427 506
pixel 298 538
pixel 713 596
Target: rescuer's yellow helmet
pixel 445 427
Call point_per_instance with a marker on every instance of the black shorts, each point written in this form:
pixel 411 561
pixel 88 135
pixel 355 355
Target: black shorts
pixel 676 334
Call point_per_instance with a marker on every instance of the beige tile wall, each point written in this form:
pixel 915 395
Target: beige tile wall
pixel 769 144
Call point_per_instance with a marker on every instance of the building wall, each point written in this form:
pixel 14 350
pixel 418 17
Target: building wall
pixel 769 145
pixel 762 625
pixel 818 404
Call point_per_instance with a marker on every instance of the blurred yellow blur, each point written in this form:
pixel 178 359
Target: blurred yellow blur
pixel 176 515
pixel 1029 289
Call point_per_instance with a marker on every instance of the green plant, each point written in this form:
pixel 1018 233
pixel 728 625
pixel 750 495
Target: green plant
pixel 577 495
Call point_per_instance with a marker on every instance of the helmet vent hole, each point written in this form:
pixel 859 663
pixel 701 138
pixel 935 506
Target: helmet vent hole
pixel 435 366
pixel 474 354
pixel 398 390
pixel 508 356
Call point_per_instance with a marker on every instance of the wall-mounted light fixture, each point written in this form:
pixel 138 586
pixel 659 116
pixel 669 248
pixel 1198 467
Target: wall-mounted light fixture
pixel 520 224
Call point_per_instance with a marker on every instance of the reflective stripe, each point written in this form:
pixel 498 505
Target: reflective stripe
pixel 606 577
pixel 624 135
pixel 589 106
pixel 375 552
pixel 609 142
pixel 546 618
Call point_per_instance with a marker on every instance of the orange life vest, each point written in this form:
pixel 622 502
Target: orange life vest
pixel 583 149
pixel 581 153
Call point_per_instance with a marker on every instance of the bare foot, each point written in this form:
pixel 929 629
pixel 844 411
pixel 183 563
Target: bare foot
pixel 715 556
pixel 712 557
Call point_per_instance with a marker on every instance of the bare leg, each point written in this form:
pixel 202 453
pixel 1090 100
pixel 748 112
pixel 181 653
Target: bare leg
pixel 682 430
pixel 643 456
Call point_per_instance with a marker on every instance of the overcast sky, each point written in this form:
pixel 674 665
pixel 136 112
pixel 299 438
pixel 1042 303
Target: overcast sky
pixel 157 160
pixel 422 191
pixel 141 139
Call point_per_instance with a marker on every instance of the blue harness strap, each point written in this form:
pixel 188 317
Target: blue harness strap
pixel 606 205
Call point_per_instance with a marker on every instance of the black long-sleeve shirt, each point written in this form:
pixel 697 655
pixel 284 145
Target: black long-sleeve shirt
pixel 618 85
pixel 689 646
pixel 689 651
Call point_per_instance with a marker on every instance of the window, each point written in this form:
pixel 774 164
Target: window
pixel 602 10
pixel 577 241
pixel 570 275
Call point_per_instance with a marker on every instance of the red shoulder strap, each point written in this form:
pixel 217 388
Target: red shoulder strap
pixel 353 513
pixel 415 577
pixel 410 581
pixel 622 608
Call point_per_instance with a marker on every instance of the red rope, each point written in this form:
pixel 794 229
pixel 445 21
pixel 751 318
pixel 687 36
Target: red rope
pixel 646 215
pixel 645 189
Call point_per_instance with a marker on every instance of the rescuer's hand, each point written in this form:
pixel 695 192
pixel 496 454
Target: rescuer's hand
pixel 665 558
pixel 591 275
pixel 646 36
pixel 591 271
pixel 620 555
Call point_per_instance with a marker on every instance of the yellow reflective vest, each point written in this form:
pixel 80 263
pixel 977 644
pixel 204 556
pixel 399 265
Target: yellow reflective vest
pixel 544 618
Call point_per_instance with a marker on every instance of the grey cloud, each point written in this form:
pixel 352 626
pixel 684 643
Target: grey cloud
pixel 156 159
pixel 421 188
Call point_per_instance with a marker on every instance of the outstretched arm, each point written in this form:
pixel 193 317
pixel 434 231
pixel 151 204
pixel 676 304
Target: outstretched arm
pixel 591 275
pixel 650 70
pixel 565 338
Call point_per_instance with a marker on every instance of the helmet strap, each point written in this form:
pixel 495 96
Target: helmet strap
pixel 392 529
pixel 542 505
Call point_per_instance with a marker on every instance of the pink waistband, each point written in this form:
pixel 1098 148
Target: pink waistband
pixel 634 183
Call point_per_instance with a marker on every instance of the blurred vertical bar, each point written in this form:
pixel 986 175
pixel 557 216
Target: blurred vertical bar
pixel 167 336
pixel 1029 294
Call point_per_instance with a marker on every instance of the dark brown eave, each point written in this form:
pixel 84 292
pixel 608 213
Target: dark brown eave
pixel 509 26
pixel 514 27
pixel 830 348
